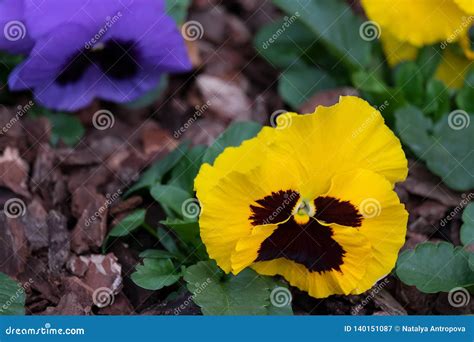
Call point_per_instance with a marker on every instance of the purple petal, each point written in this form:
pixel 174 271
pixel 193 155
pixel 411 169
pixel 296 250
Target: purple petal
pixel 49 56
pixel 70 97
pixel 157 38
pixel 129 90
pixel 42 16
pixel 14 36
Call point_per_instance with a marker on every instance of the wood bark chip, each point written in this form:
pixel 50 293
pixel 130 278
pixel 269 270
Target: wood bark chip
pixel 13 245
pixel 14 172
pixel 59 241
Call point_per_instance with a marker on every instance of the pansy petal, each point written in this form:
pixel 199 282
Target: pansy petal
pixel 49 56
pixel 42 16
pixel 324 284
pixel 343 137
pixel 383 224
pixel 397 51
pixel 246 249
pixel 225 215
pixel 234 196
pixel 419 22
pixel 69 97
pixel 155 36
pixel 123 91
pixel 452 69
pixel 466 5
pixel 14 35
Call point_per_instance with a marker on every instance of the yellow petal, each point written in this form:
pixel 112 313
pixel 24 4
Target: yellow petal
pixel 227 189
pixel 397 51
pixel 418 22
pixel 321 285
pixel 347 136
pixel 384 220
pixel 466 5
pixel 452 69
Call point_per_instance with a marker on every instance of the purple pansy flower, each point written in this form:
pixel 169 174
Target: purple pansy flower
pixel 107 49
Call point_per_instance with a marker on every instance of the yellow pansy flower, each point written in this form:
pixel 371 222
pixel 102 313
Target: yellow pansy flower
pixel 407 25
pixel 311 199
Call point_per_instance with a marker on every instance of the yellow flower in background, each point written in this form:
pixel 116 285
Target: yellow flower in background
pixel 311 199
pixel 407 25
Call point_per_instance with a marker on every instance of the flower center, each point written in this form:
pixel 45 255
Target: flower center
pixel 115 58
pixel 303 211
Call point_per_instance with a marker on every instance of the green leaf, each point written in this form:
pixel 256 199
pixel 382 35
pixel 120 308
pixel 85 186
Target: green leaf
pixel 129 224
pixel 283 42
pixel 12 297
pixel 299 82
pixel 150 97
pixel 157 254
pixel 178 9
pixel 428 60
pixel 409 80
pixel 218 294
pixel 234 135
pixel 8 63
pixel 451 158
pixel 467 228
pixel 471 261
pixel 171 198
pixel 65 127
pixel 158 170
pixel 369 82
pixel 187 230
pixel 435 267
pixel 465 97
pixel 155 274
pixel 414 129
pixel 445 147
pixel 437 102
pixel 334 23
pixel 166 239
pixel 184 173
